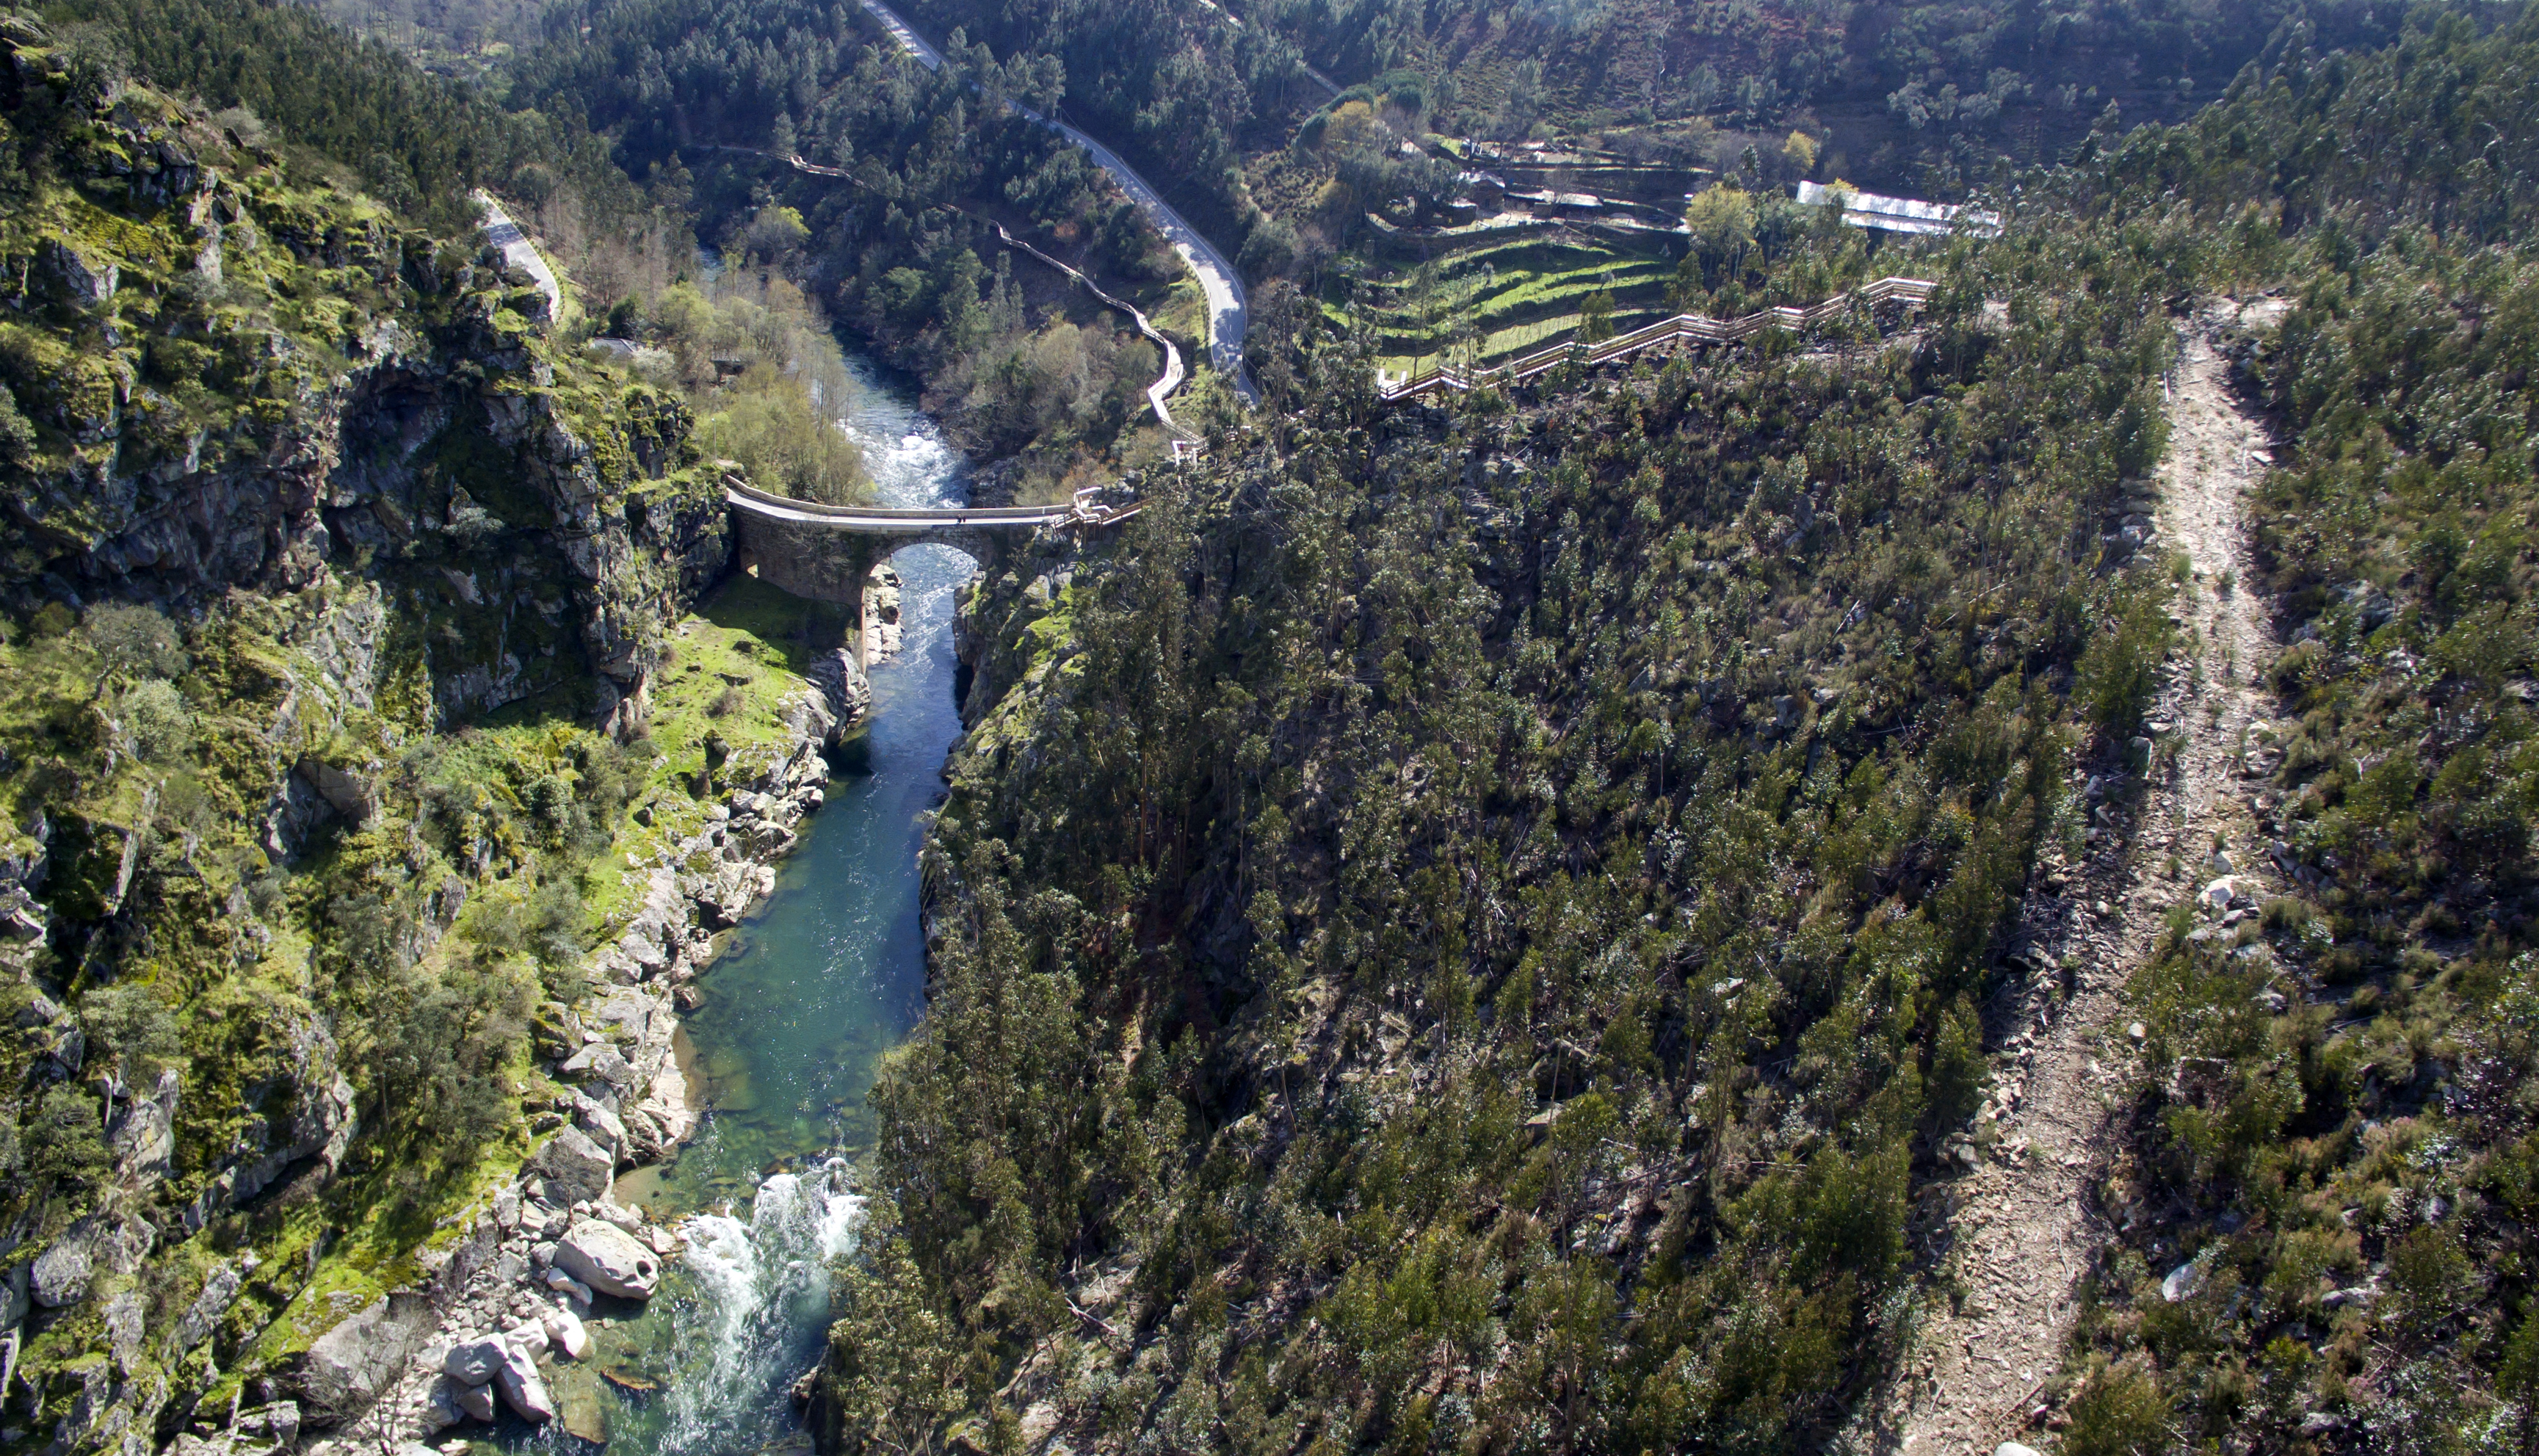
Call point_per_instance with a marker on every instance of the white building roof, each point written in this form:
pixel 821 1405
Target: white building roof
pixel 1899 214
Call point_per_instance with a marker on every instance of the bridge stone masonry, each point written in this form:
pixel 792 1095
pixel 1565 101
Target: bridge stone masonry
pixel 827 553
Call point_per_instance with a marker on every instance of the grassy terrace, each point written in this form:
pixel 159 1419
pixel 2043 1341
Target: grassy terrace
pixel 731 668
pixel 1517 311
pixel 1517 292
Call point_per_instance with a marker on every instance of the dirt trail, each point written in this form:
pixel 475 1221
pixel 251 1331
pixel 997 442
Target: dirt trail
pixel 2018 1229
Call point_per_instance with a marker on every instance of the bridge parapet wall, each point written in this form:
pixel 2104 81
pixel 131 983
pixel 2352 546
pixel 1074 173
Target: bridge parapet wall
pixel 824 563
pixel 825 552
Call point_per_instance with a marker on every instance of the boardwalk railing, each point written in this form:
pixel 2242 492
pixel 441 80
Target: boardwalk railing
pixel 1186 441
pixel 1699 329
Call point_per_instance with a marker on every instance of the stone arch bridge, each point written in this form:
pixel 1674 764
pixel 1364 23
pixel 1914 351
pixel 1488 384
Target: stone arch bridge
pixel 827 553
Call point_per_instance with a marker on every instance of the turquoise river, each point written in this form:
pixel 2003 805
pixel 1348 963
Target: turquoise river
pixel 798 1012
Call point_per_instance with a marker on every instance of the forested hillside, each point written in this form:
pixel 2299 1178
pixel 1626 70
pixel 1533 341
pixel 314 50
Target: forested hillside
pixel 2336 1129
pixel 1464 926
pixel 1018 359
pixel 338 589
pixel 1922 96
pixel 1484 928
pixel 413 141
pixel 1512 920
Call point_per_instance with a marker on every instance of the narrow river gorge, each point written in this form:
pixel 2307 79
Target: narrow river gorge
pixel 814 989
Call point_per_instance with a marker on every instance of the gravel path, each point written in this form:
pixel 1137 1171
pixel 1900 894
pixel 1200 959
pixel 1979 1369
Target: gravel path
pixel 2020 1228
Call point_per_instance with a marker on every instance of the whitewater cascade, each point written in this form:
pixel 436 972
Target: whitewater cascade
pixel 757 1309
pixel 811 995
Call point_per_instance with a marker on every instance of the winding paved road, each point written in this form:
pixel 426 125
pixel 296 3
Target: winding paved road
pixel 1227 307
pixel 1165 383
pixel 518 250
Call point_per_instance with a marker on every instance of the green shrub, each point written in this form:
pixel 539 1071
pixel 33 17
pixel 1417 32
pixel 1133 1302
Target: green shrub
pixel 1956 1080
pixel 2428 1272
pixel 64 1140
pixel 2119 672
pixel 784 444
pixel 133 641
pixel 130 1029
pixel 2119 1412
pixel 156 720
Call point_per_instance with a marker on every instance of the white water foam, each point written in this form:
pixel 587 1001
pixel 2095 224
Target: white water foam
pixel 912 464
pixel 761 1305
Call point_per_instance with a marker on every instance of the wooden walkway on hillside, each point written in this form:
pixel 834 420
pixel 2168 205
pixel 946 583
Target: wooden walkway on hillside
pixel 1186 442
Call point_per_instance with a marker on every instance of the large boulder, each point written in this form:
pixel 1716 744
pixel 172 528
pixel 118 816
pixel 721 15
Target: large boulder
pixel 599 1059
pixel 273 1425
pixel 517 1382
pixel 609 1260
pixel 441 1408
pixel 644 1141
pixel 566 1333
pixel 599 1124
pixel 577 1169
pixel 476 1402
pixel 349 1365
pixel 474 1361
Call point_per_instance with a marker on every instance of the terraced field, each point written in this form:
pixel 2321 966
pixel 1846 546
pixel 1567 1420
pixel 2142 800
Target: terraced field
pixel 1513 295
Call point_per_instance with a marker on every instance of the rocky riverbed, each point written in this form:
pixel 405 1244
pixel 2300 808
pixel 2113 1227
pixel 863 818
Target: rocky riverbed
pixel 504 1313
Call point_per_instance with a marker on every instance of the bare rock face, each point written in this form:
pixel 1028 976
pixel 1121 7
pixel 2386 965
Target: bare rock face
pixel 97 1241
pixel 276 1425
pixel 350 1365
pixel 577 1169
pixel 843 685
pixel 142 1136
pixel 609 1260
pixel 304 1100
pixel 351 791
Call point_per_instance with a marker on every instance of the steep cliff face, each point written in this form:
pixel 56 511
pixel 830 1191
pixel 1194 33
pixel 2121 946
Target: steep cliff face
pixel 293 497
pixel 219 377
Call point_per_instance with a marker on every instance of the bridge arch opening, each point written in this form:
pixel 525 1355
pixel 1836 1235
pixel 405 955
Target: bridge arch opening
pixel 900 592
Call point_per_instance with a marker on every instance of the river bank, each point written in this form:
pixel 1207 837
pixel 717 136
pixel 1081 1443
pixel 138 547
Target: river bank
pixel 539 1264
pixel 726 1109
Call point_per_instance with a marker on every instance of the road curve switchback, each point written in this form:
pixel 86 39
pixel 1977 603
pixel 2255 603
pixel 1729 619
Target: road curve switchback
pixel 1229 310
